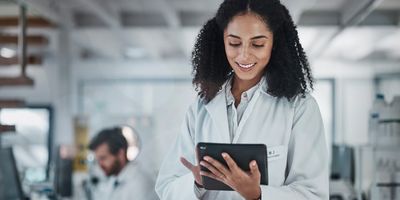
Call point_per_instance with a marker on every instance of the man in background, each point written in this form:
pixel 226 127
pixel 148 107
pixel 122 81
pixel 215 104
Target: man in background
pixel 122 179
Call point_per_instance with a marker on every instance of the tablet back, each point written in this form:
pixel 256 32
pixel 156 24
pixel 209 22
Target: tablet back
pixel 242 154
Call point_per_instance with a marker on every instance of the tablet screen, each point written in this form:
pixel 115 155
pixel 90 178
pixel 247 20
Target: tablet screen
pixel 242 154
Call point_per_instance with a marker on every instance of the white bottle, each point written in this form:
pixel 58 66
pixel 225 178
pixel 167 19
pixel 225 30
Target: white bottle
pixel 377 107
pixel 389 123
pixel 395 107
pixel 396 119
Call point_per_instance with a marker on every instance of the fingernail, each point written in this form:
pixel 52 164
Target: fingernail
pixel 206 158
pixel 254 163
pixel 224 155
pixel 202 163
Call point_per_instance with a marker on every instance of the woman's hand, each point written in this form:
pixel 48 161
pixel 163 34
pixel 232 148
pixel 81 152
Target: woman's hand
pixel 246 184
pixel 195 170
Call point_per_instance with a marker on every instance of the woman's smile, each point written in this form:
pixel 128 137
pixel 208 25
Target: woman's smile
pixel 246 67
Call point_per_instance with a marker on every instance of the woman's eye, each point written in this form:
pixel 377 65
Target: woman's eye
pixel 234 44
pixel 258 45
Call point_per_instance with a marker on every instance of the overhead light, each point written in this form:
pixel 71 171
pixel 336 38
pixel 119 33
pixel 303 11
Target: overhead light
pixel 133 144
pixel 132 152
pixel 7 53
pixel 135 52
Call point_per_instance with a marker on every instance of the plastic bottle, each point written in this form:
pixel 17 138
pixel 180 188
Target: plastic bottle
pixel 389 124
pixel 396 120
pixel 377 107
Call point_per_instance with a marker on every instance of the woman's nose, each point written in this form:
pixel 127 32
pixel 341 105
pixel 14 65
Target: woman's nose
pixel 244 55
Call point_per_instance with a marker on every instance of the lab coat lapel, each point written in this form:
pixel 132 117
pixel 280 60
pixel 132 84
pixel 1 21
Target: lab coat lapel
pixel 246 115
pixel 218 112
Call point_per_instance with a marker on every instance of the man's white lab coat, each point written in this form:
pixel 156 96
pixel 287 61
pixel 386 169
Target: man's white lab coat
pixel 292 130
pixel 132 183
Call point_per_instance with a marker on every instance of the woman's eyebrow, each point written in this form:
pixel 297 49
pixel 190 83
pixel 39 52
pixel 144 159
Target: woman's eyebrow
pixel 234 36
pixel 253 38
pixel 259 37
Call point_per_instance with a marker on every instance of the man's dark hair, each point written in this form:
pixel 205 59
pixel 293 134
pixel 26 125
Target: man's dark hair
pixel 288 73
pixel 113 137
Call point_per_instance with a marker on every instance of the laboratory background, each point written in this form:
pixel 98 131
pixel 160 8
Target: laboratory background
pixel 69 69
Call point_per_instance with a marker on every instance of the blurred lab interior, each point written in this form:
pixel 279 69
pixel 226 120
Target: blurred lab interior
pixel 69 69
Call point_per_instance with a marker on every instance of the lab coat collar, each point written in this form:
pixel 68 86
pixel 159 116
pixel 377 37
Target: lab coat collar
pixel 218 112
pixel 264 86
pixel 127 172
pixel 263 82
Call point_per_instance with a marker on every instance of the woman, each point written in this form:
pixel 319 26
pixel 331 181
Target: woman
pixel 253 80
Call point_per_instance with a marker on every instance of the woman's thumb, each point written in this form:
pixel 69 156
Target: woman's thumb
pixel 254 168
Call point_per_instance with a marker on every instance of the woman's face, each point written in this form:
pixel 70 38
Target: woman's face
pixel 248 45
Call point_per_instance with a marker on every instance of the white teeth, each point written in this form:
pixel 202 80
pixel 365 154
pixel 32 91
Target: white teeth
pixel 246 66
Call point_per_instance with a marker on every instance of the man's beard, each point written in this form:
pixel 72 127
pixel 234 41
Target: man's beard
pixel 115 169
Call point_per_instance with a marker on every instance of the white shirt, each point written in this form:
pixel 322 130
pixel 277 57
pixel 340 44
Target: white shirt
pixel 132 183
pixel 236 114
pixel 292 131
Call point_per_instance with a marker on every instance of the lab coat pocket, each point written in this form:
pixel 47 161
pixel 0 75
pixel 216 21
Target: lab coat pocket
pixel 277 158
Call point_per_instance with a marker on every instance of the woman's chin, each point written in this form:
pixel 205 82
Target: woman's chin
pixel 246 76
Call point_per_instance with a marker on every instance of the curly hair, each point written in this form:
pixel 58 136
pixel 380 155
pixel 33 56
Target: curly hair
pixel 288 73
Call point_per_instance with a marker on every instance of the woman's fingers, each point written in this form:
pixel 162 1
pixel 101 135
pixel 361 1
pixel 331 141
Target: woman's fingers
pixel 212 169
pixel 194 168
pixel 254 169
pixel 211 175
pixel 229 161
pixel 187 164
pixel 220 167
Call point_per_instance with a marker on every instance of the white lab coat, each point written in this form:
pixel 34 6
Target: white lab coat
pixel 292 130
pixel 132 183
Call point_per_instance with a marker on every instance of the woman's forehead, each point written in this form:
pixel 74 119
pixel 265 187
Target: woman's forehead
pixel 247 25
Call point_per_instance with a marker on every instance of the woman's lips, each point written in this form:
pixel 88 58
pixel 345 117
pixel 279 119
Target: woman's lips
pixel 246 67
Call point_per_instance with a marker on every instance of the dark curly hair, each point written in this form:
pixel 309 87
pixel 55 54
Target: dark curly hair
pixel 288 73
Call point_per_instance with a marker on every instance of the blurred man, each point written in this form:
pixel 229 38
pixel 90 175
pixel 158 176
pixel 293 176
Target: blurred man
pixel 123 179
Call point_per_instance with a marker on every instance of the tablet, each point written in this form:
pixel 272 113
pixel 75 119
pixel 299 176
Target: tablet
pixel 242 154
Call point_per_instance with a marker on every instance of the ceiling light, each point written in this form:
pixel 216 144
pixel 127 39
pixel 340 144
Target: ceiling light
pixel 133 144
pixel 7 53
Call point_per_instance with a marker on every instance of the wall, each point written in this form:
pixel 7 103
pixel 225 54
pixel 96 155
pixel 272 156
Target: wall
pixel 354 88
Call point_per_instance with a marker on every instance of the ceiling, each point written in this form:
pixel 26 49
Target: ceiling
pixel 355 30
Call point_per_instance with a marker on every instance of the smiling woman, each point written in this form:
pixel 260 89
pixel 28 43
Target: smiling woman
pixel 253 79
pixel 266 25
pixel 248 45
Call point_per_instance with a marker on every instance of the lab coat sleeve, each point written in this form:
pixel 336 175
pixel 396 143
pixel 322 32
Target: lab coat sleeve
pixel 174 180
pixel 307 165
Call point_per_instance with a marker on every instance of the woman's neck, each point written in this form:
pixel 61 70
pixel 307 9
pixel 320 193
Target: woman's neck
pixel 239 86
